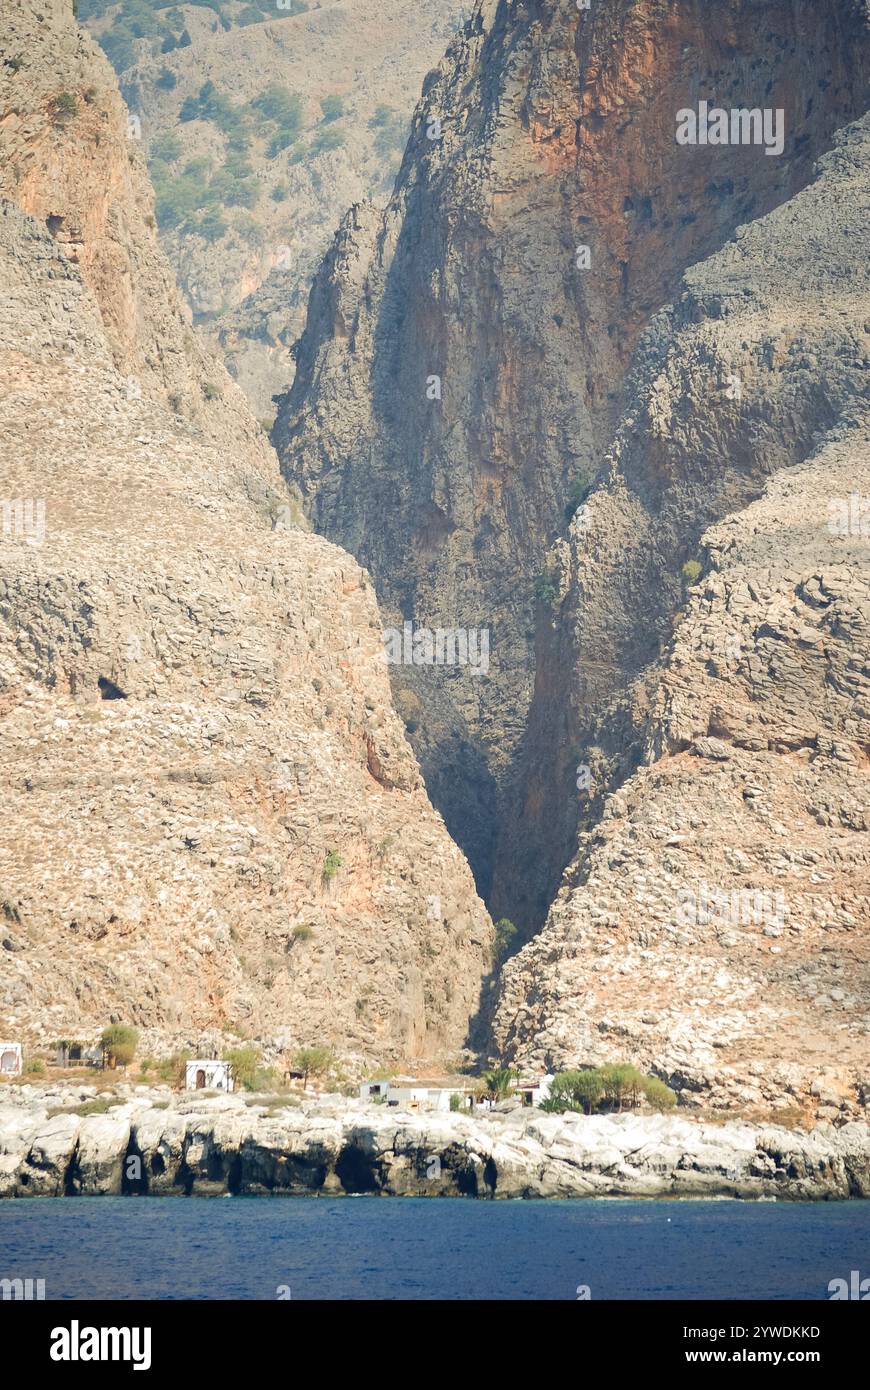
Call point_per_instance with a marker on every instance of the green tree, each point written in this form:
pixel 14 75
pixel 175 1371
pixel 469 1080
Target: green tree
pixel 246 1063
pixel 166 147
pixel 280 105
pixel 622 1082
pixel 327 140
pixel 118 1042
pixel 574 1090
pixel 313 1061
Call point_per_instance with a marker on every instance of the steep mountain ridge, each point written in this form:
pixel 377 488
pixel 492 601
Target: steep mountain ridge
pixel 461 367
pixel 713 923
pixel 214 826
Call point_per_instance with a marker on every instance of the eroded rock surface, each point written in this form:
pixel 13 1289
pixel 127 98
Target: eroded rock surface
pixel 212 819
pixel 555 131
pixel 742 697
pixel 186 1145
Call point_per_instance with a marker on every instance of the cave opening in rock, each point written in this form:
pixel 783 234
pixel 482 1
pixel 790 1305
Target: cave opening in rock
pixel 109 690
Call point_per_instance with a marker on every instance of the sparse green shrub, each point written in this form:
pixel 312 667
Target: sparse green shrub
pixel 332 107
pixel 330 139
pixel 456 1101
pixel 391 135
pixel 64 108
pixel 172 1070
pixel 34 1066
pixel 331 865
pixel 545 589
pixel 210 391
pixel 691 572
pixel 505 931
pixel 657 1094
pixel 577 494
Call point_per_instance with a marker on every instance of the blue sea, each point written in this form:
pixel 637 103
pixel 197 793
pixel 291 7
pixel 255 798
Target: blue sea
pixel 418 1248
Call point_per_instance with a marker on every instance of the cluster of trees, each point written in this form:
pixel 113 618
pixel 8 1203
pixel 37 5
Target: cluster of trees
pixel 281 111
pixel 194 197
pixel 163 22
pixel 137 19
pixel 615 1087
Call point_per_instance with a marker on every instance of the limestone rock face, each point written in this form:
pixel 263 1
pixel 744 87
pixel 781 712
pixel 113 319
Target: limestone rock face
pixel 69 163
pixel 194 1146
pixel 713 924
pixel 212 820
pixel 461 369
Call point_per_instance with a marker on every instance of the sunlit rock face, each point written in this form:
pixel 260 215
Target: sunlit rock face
pixel 463 363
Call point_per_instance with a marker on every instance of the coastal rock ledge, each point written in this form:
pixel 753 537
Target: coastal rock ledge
pixel 164 1144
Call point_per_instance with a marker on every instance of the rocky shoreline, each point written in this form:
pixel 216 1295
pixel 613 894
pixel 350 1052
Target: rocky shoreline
pixel 148 1141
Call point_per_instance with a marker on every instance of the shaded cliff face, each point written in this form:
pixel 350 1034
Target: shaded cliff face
pixel 213 823
pixel 714 922
pixel 462 363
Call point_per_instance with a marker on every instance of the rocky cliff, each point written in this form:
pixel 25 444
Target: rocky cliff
pixel 144 1144
pixel 212 820
pixel 463 362
pixel 715 921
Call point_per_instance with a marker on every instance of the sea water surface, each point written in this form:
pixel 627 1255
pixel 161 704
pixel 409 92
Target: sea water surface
pixel 423 1248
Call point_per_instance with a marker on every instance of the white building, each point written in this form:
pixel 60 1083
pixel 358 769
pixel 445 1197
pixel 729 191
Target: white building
pixel 208 1075
pixel 533 1092
pixel 11 1059
pixel 374 1090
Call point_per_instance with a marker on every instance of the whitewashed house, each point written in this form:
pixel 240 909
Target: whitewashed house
pixel 11 1059
pixel 374 1090
pixel 419 1097
pixel 208 1075
pixel 533 1092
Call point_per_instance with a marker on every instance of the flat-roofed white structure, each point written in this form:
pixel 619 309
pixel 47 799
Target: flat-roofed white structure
pixel 208 1075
